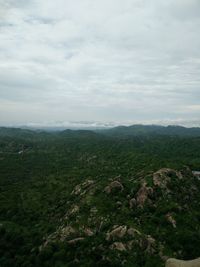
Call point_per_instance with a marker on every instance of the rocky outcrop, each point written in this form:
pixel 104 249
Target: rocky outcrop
pixel 132 203
pixel 142 194
pixel 82 188
pixel 143 204
pixel 88 232
pixel 68 234
pixel 180 263
pixel 114 186
pixel 131 237
pixel 61 234
pixel 133 232
pixel 74 210
pixel 65 232
pixel 118 246
pixel 171 220
pixel 118 232
pixel 150 244
pixel 147 244
pixel 162 177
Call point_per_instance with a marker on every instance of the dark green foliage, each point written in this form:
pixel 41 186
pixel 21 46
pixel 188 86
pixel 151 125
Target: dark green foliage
pixel 36 197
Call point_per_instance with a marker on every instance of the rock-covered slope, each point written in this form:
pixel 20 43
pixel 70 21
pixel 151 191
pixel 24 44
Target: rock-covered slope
pixel 139 221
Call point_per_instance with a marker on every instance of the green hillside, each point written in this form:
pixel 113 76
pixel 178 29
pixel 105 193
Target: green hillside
pixel 80 198
pixel 149 130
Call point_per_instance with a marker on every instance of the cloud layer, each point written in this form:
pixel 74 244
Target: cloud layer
pixel 92 60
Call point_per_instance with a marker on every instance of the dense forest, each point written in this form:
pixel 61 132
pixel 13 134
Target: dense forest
pixel 117 197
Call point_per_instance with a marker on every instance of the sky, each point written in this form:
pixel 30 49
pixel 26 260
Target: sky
pixel 99 62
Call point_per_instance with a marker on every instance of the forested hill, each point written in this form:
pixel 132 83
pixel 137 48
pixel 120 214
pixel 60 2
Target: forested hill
pixel 119 131
pixel 85 198
pixel 146 130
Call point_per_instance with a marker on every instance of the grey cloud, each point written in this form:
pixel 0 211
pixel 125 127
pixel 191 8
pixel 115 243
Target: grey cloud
pixel 100 60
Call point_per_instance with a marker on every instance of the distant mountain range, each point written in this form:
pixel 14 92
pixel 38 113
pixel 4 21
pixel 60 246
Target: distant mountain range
pixel 137 130
pixel 120 197
pixel 119 131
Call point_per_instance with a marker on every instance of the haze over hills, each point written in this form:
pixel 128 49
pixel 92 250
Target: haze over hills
pixel 120 131
pixel 100 136
pixel 136 130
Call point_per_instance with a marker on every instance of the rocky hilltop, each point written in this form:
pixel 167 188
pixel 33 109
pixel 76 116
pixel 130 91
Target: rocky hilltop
pixel 142 220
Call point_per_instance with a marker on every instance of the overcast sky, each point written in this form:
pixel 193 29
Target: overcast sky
pixel 120 61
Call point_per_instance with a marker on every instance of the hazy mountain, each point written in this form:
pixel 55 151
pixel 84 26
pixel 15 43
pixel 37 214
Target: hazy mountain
pixel 137 130
pixel 119 131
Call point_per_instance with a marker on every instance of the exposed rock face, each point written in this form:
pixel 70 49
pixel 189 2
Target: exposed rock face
pixel 74 210
pixel 66 232
pixel 180 263
pixel 163 176
pixel 118 246
pixel 171 220
pixel 132 203
pixel 82 188
pixel 142 194
pixel 62 233
pixel 75 240
pixel 88 232
pixel 118 232
pixel 133 232
pixel 148 244
pixel 115 185
pixel 92 218
pixel 130 244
